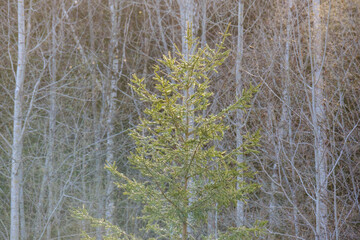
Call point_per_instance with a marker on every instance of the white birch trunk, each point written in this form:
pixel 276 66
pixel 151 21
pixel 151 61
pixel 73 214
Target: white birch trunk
pixel 274 167
pixel 110 205
pixel 284 124
pixel 186 20
pixel 286 112
pixel 17 145
pixel 203 23
pixel 113 75
pixel 240 212
pixel 319 127
pixel 23 231
pixel 212 224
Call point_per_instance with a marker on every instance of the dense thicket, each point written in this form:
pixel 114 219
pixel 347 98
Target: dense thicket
pixel 76 109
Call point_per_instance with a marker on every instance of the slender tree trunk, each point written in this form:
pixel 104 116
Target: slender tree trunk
pixel 17 145
pixel 158 18
pixel 50 139
pixel 284 124
pixel 97 127
pixel 213 223
pixel 52 122
pixel 203 23
pixel 286 113
pixel 186 20
pixel 23 232
pixel 318 108
pixel 184 231
pixel 113 75
pixel 240 212
pixel 274 167
pixel 39 208
pixel 83 185
pixel 99 163
pixel 110 205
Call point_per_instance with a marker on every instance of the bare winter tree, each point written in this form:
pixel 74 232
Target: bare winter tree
pixel 69 112
pixel 186 8
pixel 318 119
pixel 240 211
pixel 115 12
pixel 17 146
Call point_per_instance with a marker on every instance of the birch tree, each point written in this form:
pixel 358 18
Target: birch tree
pixel 304 54
pixel 17 145
pixel 97 124
pixel 186 8
pixel 113 75
pixel 318 118
pixel 240 211
pixel 52 119
pixel 285 130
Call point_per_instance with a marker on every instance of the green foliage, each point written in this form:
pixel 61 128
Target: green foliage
pixel 114 232
pixel 244 233
pixel 185 174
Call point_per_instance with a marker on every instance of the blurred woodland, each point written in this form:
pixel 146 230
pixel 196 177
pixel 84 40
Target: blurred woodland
pixel 67 108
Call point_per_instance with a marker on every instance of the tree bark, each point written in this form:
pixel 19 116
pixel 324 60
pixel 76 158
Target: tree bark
pixel 17 145
pixel 240 212
pixel 97 125
pixel 286 111
pixel 23 230
pixel 186 21
pixel 162 34
pixel 113 75
pixel 318 117
pixel 52 121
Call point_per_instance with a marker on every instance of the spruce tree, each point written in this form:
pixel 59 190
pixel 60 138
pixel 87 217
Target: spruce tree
pixel 176 150
pixel 184 174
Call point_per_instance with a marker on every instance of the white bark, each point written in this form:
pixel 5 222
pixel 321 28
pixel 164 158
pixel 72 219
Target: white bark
pixel 274 168
pixel 113 76
pixel 286 111
pixel 284 124
pixel 203 22
pixel 186 20
pixel 17 145
pixel 240 212
pixel 213 214
pixel 23 231
pixel 318 109
pixel 110 205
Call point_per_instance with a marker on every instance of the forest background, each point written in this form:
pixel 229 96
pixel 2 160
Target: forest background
pixel 67 108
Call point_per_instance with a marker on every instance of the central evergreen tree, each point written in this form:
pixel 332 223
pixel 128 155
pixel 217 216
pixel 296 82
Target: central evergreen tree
pixel 176 150
pixel 184 174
